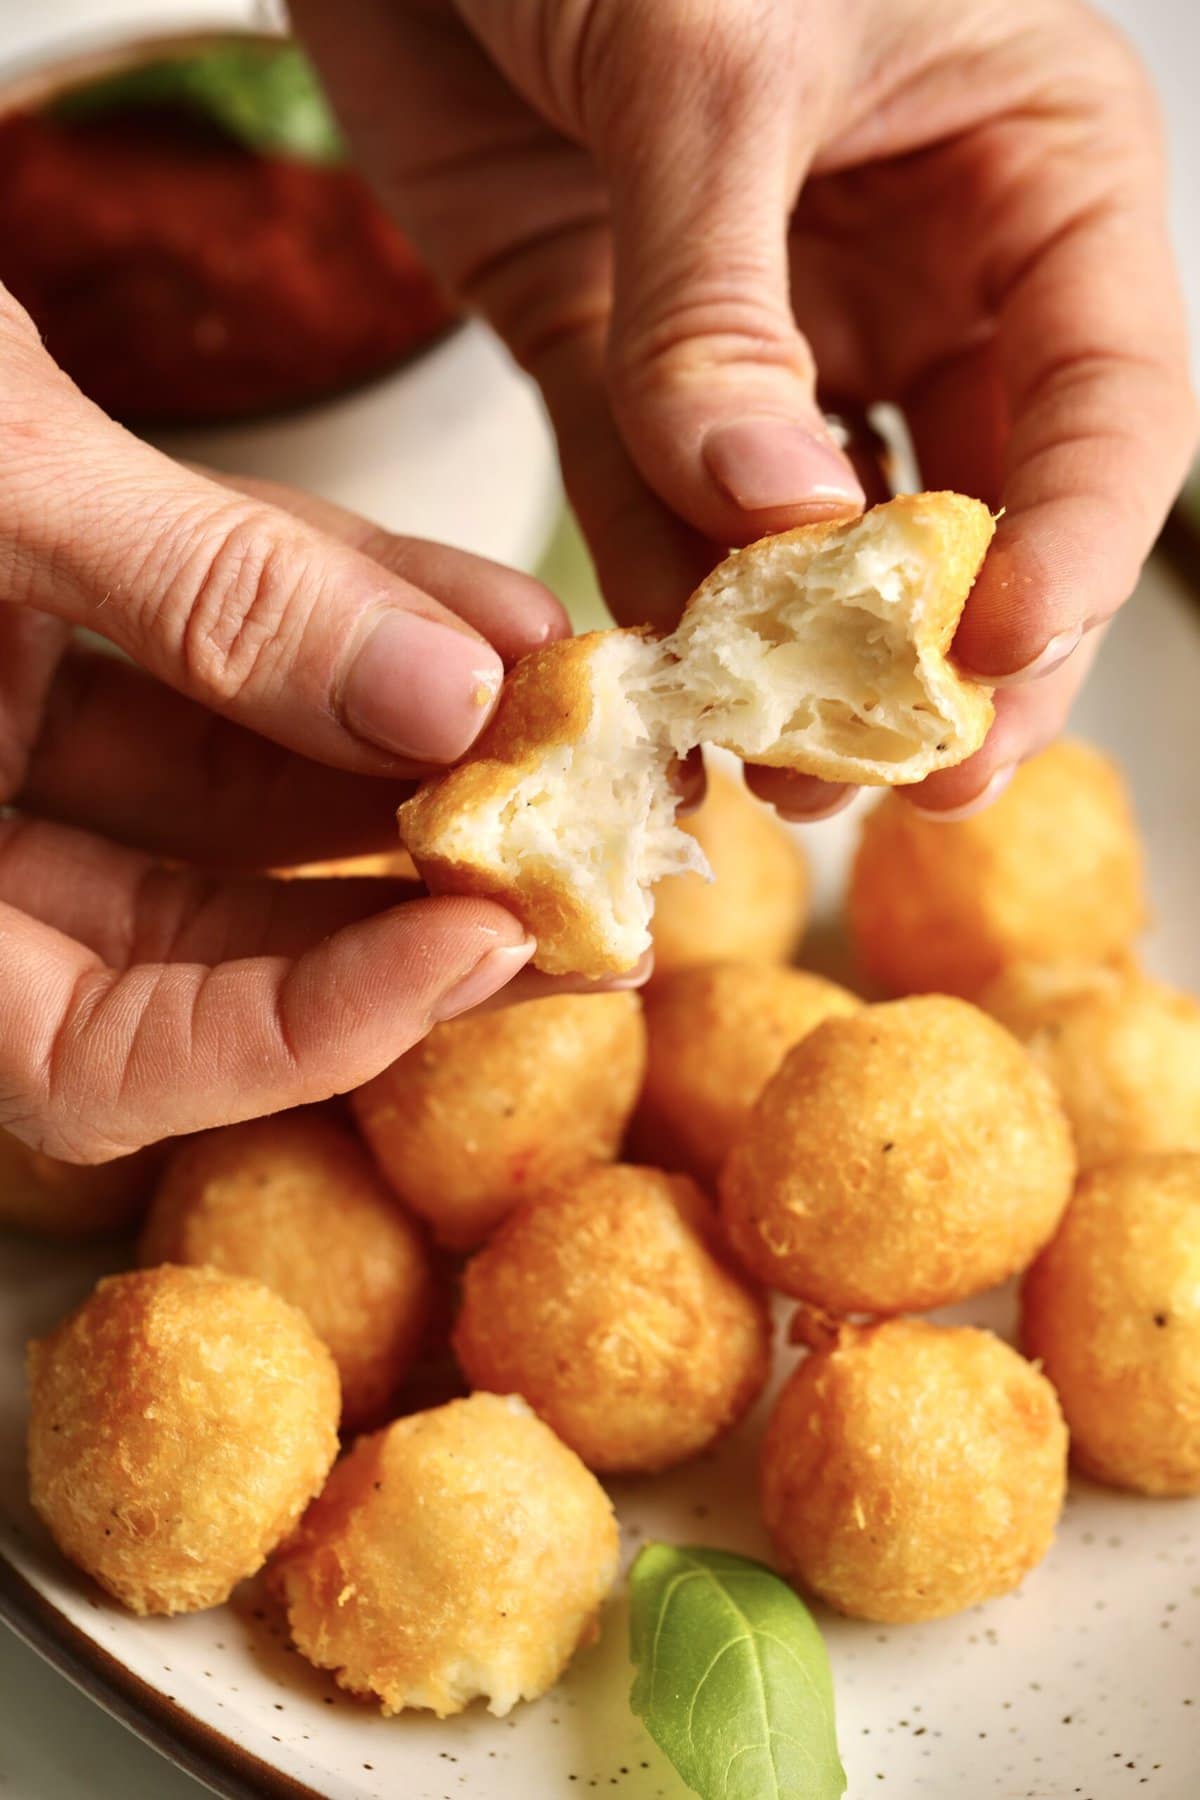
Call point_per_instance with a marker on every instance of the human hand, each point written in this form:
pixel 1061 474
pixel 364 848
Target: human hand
pixel 312 665
pixel 678 212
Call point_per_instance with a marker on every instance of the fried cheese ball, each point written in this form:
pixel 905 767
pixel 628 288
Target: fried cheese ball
pixel 488 1109
pixel 1122 1050
pixel 460 1552
pixel 902 1158
pixel 296 1202
pixel 911 1470
pixel 1112 1310
pixel 63 1200
pixel 755 907
pixel 180 1422
pixel 716 1033
pixel 607 1305
pixel 1051 872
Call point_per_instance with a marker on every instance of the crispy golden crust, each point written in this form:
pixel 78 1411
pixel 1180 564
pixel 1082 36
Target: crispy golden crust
pixel 62 1200
pixel 1051 872
pixel 546 700
pixel 1109 1309
pixel 295 1202
pixel 964 530
pixel 180 1422
pixel 755 906
pixel 715 1035
pixel 910 1470
pixel 488 1109
pixel 463 1551
pixel 609 1305
pixel 904 1157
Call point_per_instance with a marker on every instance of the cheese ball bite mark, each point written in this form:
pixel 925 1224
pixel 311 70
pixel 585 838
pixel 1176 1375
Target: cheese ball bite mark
pixel 64 1200
pixel 488 1109
pixel 607 1305
pixel 1112 1311
pixel 902 1158
pixel 1122 1050
pixel 180 1422
pixel 755 907
pixel 716 1033
pixel 461 1552
pixel 295 1202
pixel 910 1470
pixel 1052 872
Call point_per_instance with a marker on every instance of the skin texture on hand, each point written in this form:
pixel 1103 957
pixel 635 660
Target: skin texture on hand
pixel 677 212
pixel 296 668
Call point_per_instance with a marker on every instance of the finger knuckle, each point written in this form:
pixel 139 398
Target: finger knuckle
pixel 725 320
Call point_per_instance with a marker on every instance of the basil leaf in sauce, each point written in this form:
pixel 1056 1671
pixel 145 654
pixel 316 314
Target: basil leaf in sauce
pixel 732 1679
pixel 264 95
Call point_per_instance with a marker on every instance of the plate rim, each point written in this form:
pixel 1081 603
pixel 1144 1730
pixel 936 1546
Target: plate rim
pixel 197 1748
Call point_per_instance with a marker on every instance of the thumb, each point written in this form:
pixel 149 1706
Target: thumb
pixel 227 598
pixel 711 382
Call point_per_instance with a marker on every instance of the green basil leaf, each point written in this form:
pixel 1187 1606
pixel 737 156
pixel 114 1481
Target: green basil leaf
pixel 266 96
pixel 732 1679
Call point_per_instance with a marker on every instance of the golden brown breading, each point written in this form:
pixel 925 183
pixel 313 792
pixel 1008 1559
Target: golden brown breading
pixel 1051 872
pixel 910 1470
pixel 609 1305
pixel 461 1552
pixel 488 1109
pixel 904 1157
pixel 180 1422
pixel 1110 1309
pixel 64 1200
pixel 1122 1050
pixel 715 1035
pixel 755 906
pixel 295 1201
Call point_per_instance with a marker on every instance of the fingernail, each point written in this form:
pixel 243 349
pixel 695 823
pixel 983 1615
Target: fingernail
pixel 991 790
pixel 492 972
pixel 769 462
pixel 1055 654
pixel 420 689
pixel 821 809
pixel 636 977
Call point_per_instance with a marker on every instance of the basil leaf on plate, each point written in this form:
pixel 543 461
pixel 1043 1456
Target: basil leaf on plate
pixel 264 95
pixel 732 1678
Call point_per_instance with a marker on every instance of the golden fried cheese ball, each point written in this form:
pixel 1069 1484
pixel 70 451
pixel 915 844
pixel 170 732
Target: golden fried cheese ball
pixel 606 1304
pixel 1112 1310
pixel 64 1200
pixel 1051 872
pixel 756 906
pixel 460 1552
pixel 489 1108
pixel 181 1420
pixel 1122 1050
pixel 902 1158
pixel 296 1202
pixel 716 1033
pixel 911 1470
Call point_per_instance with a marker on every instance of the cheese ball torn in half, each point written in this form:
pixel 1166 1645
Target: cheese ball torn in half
pixel 462 1552
pixel 822 650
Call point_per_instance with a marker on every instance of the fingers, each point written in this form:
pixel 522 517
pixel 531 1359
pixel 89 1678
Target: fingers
pixel 1028 717
pixel 211 792
pixel 1093 359
pixel 512 611
pixel 712 384
pixel 246 608
pixel 95 1062
pixel 801 799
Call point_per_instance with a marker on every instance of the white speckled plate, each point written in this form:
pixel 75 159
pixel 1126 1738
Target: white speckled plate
pixel 1085 1683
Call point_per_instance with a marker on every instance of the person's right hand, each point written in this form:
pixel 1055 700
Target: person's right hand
pixel 296 667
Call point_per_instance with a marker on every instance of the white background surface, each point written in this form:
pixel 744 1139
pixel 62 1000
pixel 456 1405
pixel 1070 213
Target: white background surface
pixel 54 1743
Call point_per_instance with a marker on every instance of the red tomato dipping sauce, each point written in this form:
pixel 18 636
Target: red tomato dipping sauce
pixel 178 275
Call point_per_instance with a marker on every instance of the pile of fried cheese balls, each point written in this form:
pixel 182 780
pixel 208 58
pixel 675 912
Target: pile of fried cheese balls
pixel 1024 1101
